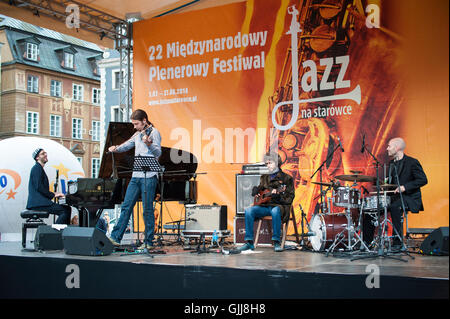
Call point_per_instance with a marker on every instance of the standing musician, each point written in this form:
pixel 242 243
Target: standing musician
pixel 39 196
pixel 411 178
pixel 146 142
pixel 280 188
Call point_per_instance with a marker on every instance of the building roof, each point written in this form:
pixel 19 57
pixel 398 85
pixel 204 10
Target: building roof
pixel 50 43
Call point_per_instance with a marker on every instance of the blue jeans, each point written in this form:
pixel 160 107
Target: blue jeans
pixel 136 187
pixel 254 212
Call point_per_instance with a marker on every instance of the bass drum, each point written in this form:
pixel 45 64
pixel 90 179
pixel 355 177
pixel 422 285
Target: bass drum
pixel 325 228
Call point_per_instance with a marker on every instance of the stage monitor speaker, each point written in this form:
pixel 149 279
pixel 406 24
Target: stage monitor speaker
pixel 244 186
pixel 86 241
pixel 436 243
pixel 47 238
pixel 206 218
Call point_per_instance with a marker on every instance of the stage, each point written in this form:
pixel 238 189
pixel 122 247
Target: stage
pixel 184 274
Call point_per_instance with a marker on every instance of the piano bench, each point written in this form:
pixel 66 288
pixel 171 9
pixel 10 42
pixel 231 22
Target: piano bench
pixel 33 219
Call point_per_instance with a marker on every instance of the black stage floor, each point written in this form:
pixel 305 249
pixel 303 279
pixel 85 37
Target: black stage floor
pixel 292 274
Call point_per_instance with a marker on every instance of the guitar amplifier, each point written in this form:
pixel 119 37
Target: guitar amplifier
pixel 205 219
pixel 265 233
pixel 244 186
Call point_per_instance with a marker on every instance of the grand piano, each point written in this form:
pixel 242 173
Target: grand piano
pixel 92 195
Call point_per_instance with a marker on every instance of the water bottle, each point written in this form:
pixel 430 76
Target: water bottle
pixel 215 238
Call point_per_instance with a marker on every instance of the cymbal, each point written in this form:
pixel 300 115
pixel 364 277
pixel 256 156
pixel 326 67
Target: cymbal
pixel 324 184
pixel 356 178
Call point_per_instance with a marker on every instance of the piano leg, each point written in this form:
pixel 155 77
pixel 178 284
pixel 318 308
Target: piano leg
pixel 88 217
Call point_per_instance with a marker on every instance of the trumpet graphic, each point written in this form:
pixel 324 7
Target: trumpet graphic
pixel 354 95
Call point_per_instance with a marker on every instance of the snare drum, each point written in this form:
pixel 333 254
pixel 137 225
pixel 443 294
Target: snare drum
pixel 325 228
pixel 370 203
pixel 347 197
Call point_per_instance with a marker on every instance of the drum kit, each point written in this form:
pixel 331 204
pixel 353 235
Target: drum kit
pixel 339 225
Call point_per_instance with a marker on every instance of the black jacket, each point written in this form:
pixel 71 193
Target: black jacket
pixel 39 194
pixel 284 199
pixel 412 177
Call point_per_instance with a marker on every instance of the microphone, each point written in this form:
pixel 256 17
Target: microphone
pixel 340 145
pixel 363 143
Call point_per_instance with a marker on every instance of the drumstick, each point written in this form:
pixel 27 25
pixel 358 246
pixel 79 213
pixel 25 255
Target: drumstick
pixel 381 192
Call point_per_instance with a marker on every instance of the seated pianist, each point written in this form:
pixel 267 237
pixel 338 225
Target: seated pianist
pixel 39 196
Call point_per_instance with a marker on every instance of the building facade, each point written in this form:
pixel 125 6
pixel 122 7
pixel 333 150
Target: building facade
pixel 50 87
pixel 112 80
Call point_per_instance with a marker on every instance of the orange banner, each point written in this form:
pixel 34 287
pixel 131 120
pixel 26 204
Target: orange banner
pixel 229 83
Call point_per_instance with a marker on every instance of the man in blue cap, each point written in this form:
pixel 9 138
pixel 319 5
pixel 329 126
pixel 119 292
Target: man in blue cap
pixel 39 195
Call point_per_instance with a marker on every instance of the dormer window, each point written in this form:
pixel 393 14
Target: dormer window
pixel 32 51
pixel 66 56
pixel 29 48
pixel 68 60
pixel 93 63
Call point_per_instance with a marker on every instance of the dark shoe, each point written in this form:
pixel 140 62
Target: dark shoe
pixel 277 246
pixel 247 246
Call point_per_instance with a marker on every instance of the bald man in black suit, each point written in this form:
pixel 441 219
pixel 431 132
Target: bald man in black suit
pixel 407 172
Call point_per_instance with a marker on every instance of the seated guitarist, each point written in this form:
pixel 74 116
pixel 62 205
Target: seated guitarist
pixel 273 197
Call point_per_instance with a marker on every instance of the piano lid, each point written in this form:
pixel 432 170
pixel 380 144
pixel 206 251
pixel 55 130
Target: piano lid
pixel 178 164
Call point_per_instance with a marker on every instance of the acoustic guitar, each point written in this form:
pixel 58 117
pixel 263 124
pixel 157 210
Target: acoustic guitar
pixel 265 196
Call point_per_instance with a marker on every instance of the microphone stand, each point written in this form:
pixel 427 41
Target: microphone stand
pixel 381 252
pixel 303 245
pixel 322 206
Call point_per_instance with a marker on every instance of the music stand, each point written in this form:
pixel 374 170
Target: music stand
pixel 146 164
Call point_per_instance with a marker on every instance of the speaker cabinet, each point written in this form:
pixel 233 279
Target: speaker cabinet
pixel 244 186
pixel 86 241
pixel 47 238
pixel 436 243
pixel 265 233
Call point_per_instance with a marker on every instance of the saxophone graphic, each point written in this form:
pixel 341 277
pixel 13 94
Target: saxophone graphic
pixel 304 143
pixel 323 32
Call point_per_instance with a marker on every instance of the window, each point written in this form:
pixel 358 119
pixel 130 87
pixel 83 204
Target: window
pixel 80 160
pixel 77 92
pixel 32 51
pixel 96 96
pixel 32 122
pixel 55 125
pixel 95 130
pixel 95 167
pixel 117 79
pixel 55 88
pixel 68 60
pixel 77 128
pixel 116 114
pixel 33 84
